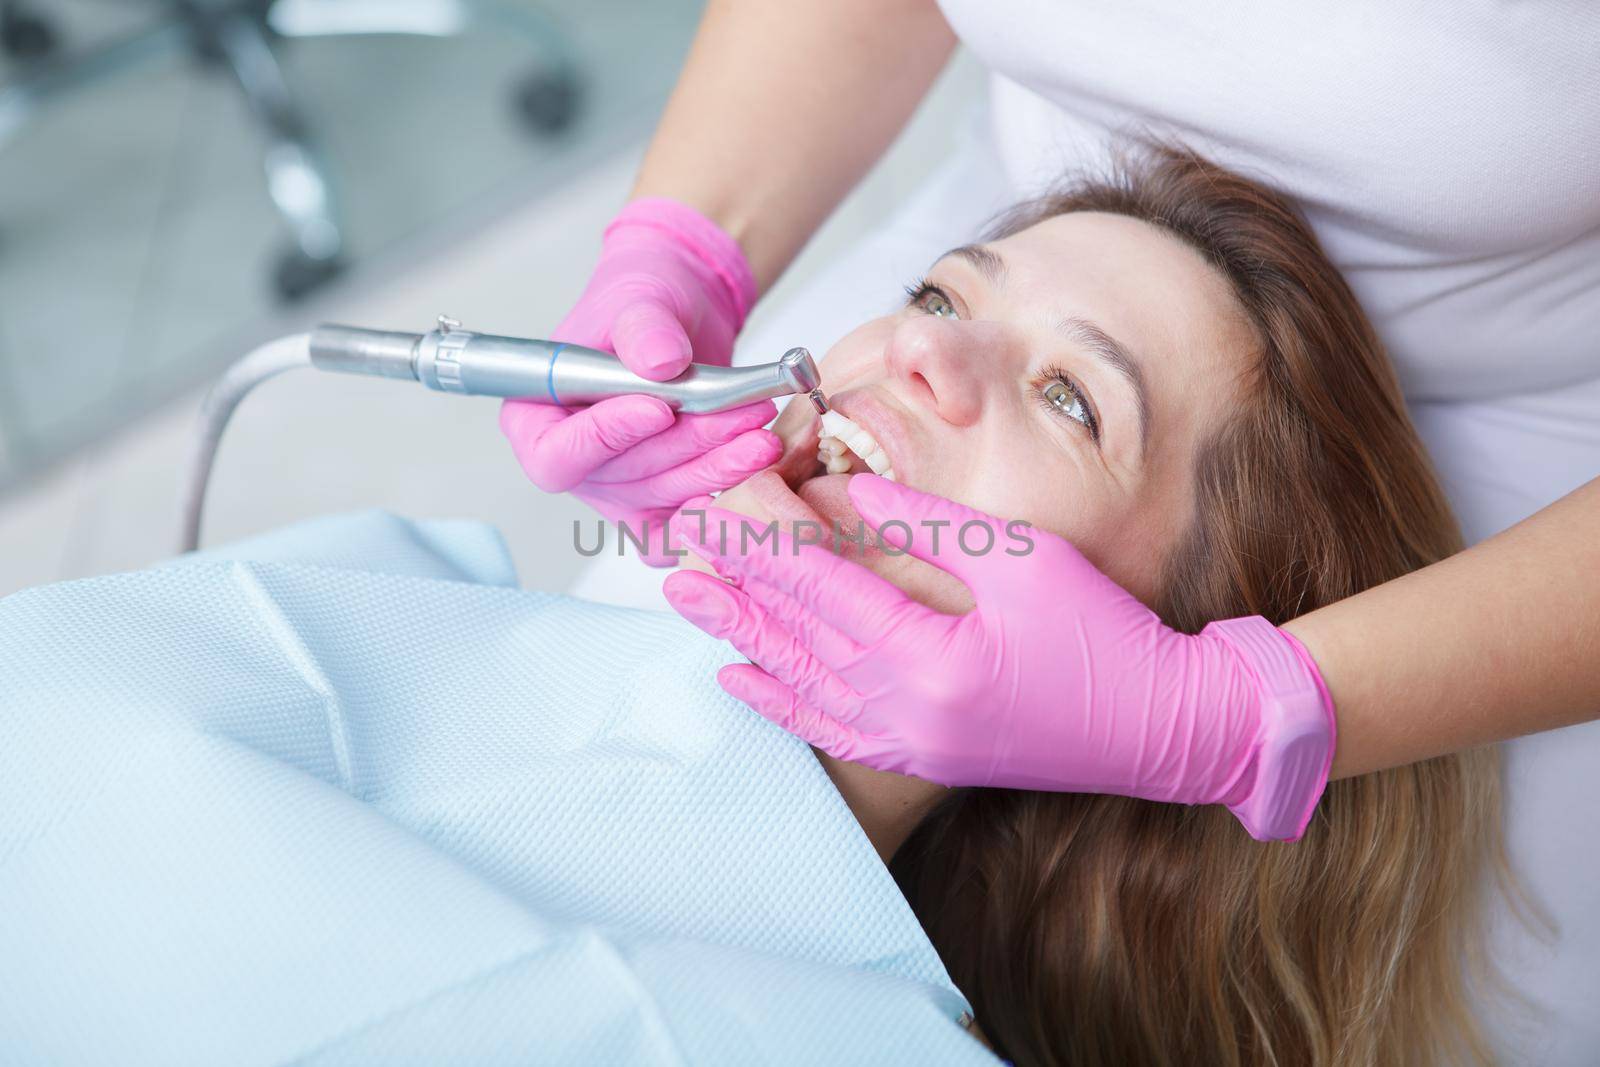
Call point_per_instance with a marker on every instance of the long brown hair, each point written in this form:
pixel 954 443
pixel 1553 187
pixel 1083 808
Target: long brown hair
pixel 1108 930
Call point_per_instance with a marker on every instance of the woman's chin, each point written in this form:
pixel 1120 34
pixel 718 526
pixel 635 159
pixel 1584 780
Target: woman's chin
pixel 819 510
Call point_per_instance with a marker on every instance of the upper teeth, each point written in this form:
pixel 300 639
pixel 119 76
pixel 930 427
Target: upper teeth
pixel 840 437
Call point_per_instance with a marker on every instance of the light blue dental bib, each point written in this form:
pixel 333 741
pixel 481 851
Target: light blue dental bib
pixel 344 794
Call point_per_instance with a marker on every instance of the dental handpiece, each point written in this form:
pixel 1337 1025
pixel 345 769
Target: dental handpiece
pixel 454 360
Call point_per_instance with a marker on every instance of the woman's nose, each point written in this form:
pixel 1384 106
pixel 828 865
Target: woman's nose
pixel 943 365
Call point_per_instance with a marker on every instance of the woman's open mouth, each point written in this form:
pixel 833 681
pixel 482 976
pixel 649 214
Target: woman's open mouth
pixel 859 434
pixel 809 484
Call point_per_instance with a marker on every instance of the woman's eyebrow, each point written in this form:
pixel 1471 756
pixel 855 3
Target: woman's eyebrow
pixel 1114 354
pixel 989 264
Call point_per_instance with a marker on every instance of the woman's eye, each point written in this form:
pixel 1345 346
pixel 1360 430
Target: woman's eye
pixel 930 299
pixel 1061 396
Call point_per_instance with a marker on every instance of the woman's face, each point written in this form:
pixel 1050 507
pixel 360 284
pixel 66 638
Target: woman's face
pixel 1063 375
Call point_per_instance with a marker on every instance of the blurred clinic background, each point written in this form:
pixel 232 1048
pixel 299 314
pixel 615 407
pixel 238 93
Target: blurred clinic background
pixel 182 180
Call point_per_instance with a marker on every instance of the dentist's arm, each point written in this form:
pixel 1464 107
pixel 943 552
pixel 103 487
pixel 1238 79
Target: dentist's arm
pixel 1495 642
pixel 781 108
pixel 1059 679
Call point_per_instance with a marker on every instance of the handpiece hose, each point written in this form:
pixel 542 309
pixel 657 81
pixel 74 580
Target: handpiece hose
pixel 454 360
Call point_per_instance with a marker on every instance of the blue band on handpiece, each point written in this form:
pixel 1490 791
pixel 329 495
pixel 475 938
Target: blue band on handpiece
pixel 550 375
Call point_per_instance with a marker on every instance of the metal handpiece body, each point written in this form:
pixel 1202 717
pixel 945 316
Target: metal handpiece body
pixel 454 360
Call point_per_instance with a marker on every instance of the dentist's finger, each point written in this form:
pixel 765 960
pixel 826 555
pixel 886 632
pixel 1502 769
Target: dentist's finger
pixel 524 421
pixel 723 467
pixel 688 438
pixel 782 706
pixel 727 613
pixel 558 455
pixel 839 652
pixel 649 339
pixel 836 651
pixel 906 520
pixel 843 593
pixel 580 327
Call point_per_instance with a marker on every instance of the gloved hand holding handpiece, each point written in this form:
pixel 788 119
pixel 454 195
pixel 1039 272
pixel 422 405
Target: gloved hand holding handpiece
pixel 670 286
pixel 1058 679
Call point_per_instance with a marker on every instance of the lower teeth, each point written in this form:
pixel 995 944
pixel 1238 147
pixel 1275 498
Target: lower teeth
pixel 836 457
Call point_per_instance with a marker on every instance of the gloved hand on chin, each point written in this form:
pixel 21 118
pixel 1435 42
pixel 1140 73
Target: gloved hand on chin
pixel 1058 679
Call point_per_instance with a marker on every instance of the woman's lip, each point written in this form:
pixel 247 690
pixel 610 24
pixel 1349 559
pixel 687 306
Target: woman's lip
pixel 782 503
pixel 867 410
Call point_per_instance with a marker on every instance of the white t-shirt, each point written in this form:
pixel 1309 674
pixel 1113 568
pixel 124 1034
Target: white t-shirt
pixel 1448 155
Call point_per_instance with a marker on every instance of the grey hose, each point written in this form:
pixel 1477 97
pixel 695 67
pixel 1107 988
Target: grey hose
pixel 267 361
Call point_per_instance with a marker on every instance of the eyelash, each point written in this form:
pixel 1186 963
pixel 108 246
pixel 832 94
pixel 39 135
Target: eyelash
pixel 921 289
pixel 1052 374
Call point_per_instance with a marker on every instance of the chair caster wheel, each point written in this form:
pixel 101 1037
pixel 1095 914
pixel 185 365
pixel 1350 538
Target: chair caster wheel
pixel 548 101
pixel 26 36
pixel 297 275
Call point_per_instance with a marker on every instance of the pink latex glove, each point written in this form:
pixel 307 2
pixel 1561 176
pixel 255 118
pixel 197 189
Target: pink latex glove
pixel 669 285
pixel 1058 679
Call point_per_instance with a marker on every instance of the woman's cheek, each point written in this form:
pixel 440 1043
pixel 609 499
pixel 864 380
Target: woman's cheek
pixel 858 357
pixel 1057 501
pixel 1123 546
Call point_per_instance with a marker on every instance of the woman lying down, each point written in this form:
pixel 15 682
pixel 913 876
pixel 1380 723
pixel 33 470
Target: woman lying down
pixel 345 793
pixel 1164 369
